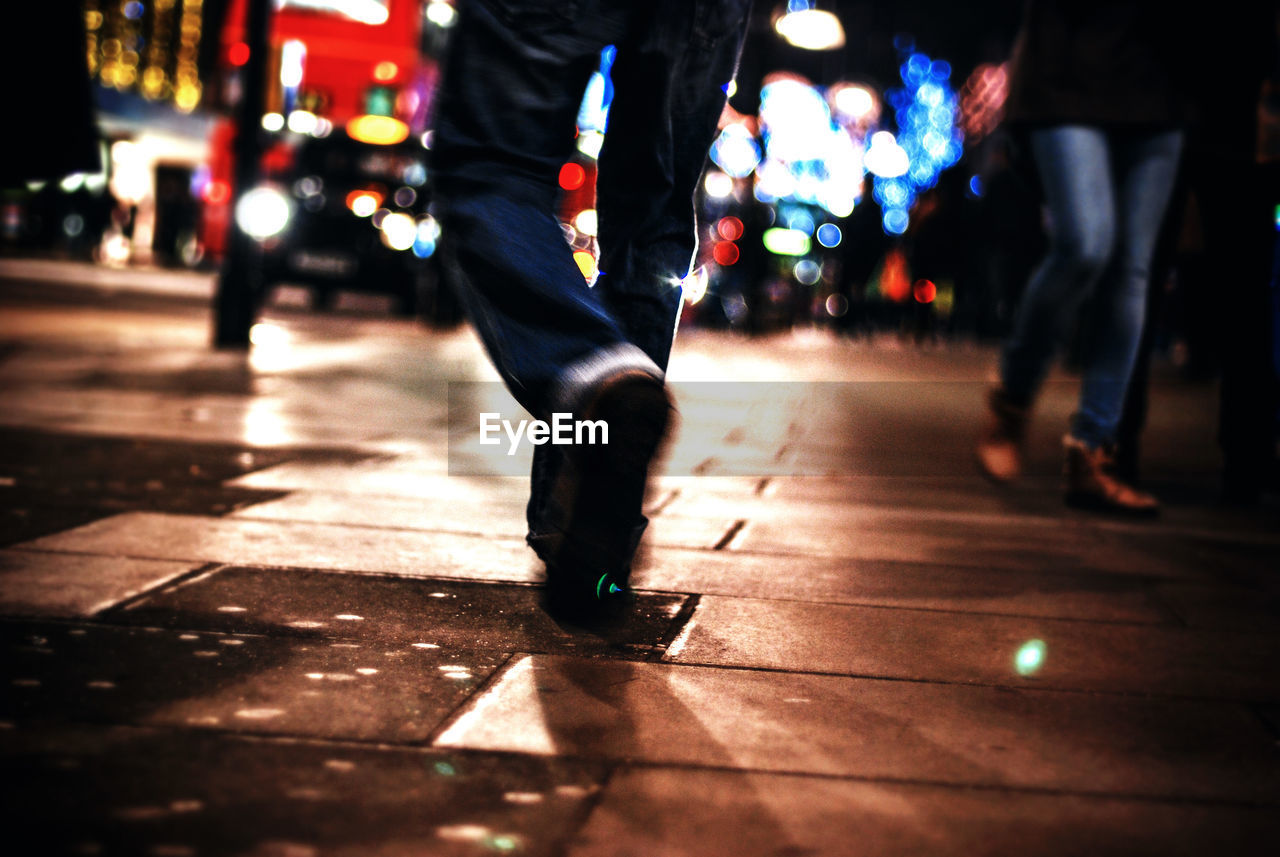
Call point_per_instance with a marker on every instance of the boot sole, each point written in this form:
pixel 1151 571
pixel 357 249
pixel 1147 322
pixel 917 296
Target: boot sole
pixel 600 488
pixel 1093 503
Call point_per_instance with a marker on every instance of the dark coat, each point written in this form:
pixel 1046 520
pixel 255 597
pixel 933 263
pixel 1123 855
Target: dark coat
pixel 1099 62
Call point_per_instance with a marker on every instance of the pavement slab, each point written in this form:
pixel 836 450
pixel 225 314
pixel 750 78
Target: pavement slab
pixel 51 481
pixel 1068 595
pixel 468 508
pixel 67 585
pixel 995 546
pixel 80 673
pixel 377 609
pixel 300 545
pixel 157 791
pixel 647 811
pixel 416 477
pixel 1224 607
pixel 1007 651
pixel 494 515
pixel 761 721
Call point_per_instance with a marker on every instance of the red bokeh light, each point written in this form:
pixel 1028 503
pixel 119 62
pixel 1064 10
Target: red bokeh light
pixel 216 192
pixel 729 228
pixel 238 54
pixel 572 176
pixel 726 253
pixel 925 291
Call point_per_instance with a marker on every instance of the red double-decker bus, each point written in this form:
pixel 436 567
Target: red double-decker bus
pixel 347 99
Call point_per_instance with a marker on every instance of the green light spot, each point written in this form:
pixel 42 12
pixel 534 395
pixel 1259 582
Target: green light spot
pixel 444 769
pixel 503 843
pixel 1030 657
pixel 786 242
pixel 600 583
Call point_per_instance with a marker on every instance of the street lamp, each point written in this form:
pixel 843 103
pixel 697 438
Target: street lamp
pixel 805 26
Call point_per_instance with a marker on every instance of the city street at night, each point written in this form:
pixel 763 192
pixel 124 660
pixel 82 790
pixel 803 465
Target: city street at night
pixel 263 602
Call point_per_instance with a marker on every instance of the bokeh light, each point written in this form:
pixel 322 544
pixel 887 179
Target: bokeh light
pixel 572 176
pixel 1030 657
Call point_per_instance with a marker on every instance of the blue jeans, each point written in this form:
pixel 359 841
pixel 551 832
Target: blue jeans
pixel 1106 194
pixel 505 124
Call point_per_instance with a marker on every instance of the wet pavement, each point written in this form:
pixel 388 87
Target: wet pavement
pixel 251 605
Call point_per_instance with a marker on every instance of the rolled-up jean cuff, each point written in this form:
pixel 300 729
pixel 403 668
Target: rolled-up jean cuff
pixel 584 374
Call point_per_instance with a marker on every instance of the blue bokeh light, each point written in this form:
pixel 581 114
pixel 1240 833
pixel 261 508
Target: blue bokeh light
pixel 925 109
pixel 829 235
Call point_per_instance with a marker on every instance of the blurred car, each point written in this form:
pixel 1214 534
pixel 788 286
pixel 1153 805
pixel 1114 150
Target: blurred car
pixel 336 214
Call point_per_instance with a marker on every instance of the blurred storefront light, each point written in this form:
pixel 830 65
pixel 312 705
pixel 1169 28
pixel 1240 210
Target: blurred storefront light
pixel 585 222
pixel 363 203
pixel 855 102
pixel 130 172
pixel 804 26
pixel 717 184
pixel 427 237
pixel 808 155
pixel 303 122
pixel 885 158
pixel 399 231
pixel 441 13
pixel 735 151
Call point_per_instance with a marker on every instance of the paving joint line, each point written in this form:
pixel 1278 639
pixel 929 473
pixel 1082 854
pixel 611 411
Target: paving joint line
pixel 984 685
pixel 464 704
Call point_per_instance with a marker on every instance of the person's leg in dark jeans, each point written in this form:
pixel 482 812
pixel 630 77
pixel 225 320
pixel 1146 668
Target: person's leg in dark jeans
pixel 505 125
pixel 669 80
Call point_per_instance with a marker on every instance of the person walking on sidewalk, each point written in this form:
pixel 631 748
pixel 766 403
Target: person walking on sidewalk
pixel 1095 98
pixel 504 127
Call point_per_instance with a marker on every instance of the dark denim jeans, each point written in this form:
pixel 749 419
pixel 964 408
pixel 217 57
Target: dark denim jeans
pixel 505 124
pixel 1106 194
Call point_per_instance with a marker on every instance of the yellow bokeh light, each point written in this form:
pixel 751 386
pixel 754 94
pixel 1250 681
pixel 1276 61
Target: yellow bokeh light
pixel 379 130
pixel 187 97
pixel 586 264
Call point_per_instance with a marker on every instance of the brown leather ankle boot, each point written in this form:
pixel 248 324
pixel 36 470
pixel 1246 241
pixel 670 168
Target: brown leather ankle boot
pixel 1089 485
pixel 1000 444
